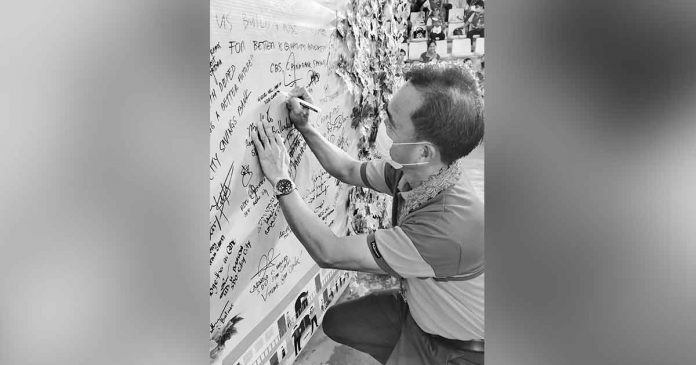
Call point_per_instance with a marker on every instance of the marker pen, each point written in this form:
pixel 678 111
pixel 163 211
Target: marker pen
pixel 305 104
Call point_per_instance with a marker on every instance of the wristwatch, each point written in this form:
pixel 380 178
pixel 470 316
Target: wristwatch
pixel 283 187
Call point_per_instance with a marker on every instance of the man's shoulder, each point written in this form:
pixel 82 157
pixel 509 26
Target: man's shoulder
pixel 460 195
pixel 455 212
pixel 450 237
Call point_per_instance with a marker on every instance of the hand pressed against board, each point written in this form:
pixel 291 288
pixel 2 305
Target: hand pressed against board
pixel 273 156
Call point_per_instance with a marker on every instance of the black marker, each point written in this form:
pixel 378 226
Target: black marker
pixel 305 104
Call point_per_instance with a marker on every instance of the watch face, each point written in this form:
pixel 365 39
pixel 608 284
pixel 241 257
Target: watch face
pixel 284 186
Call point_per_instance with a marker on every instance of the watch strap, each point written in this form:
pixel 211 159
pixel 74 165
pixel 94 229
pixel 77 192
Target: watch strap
pixel 278 195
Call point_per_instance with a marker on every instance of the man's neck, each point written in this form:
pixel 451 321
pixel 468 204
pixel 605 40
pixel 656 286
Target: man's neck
pixel 416 176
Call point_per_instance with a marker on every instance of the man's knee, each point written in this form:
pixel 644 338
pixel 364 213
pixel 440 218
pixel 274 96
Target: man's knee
pixel 331 324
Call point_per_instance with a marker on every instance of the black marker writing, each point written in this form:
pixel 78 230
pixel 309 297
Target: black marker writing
pixel 264 45
pixel 246 175
pixel 231 124
pixel 237 47
pixel 272 272
pixel 215 247
pixel 313 77
pixel 245 98
pixel 222 317
pixel 223 21
pixel 214 165
pixel 290 76
pixel 221 200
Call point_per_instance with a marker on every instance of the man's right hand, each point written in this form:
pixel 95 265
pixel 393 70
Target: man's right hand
pixel 299 115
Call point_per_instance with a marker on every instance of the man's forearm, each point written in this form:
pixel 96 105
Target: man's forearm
pixel 334 160
pixel 325 248
pixel 314 235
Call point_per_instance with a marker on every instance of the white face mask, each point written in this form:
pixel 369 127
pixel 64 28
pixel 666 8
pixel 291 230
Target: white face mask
pixel 398 165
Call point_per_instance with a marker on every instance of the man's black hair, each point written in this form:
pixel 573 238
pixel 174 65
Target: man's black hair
pixel 451 116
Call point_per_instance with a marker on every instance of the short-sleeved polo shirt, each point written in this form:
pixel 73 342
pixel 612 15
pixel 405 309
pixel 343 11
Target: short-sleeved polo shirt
pixel 438 250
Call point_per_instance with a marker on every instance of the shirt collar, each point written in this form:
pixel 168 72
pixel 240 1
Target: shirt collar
pixel 416 198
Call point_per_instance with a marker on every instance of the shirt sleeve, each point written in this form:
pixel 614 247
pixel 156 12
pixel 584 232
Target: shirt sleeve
pixel 429 245
pixel 396 254
pixel 379 176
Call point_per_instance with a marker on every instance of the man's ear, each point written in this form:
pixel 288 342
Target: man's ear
pixel 429 151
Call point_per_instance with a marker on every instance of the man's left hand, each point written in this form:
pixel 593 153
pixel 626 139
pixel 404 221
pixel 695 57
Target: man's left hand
pixel 272 154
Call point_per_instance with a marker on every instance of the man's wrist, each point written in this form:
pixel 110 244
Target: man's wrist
pixel 305 128
pixel 279 196
pixel 274 180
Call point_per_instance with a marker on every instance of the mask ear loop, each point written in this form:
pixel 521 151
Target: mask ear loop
pixel 423 142
pixel 398 165
pixel 412 143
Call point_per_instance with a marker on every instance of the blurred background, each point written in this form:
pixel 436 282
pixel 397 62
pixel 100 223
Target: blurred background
pixel 590 182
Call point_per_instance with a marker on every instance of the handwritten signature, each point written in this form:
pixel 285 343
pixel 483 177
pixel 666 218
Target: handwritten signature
pixel 289 67
pixel 313 77
pixel 272 273
pixel 222 317
pixel 223 196
pixel 247 174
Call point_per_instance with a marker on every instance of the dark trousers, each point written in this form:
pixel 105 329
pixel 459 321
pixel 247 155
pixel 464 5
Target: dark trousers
pixel 480 32
pixel 381 325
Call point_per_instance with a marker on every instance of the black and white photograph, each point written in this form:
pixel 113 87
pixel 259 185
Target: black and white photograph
pixel 338 149
pixel 348 182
